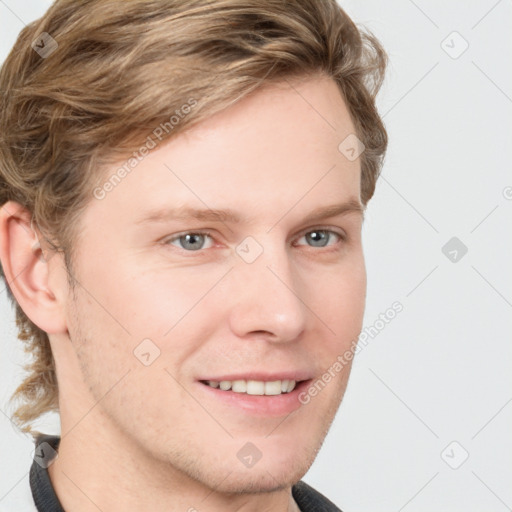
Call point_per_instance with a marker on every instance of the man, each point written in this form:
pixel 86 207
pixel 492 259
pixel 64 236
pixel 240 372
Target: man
pixel 183 187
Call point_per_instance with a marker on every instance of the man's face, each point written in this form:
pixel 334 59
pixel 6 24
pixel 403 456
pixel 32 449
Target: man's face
pixel 272 297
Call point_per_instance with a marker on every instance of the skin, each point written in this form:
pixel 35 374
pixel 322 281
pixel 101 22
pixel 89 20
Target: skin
pixel 149 437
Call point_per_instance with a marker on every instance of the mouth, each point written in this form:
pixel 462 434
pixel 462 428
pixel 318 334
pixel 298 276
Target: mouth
pixel 254 387
pixel 269 397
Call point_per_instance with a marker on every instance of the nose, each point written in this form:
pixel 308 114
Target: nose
pixel 268 300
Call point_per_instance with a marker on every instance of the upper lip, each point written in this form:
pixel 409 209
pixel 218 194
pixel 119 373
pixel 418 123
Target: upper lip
pixel 296 375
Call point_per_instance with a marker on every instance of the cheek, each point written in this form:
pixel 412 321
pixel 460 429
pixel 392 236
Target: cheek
pixel 144 303
pixel 145 316
pixel 123 348
pixel 340 303
pixel 352 295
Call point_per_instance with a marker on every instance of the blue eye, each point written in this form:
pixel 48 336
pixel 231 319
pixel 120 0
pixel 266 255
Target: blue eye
pixel 321 237
pixel 193 241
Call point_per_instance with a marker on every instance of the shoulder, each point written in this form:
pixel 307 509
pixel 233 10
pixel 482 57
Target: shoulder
pixel 310 500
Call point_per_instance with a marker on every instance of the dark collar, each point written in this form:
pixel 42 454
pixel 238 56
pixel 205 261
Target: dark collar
pixel 42 490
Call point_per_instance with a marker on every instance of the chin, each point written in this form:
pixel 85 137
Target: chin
pixel 253 481
pixel 273 472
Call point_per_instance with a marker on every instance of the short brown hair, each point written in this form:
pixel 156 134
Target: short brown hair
pixel 113 71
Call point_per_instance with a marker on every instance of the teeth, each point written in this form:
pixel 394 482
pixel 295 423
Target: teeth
pixel 239 386
pixel 225 385
pixel 254 387
pixel 273 388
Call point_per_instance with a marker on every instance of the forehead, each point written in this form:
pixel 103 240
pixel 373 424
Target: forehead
pixel 277 146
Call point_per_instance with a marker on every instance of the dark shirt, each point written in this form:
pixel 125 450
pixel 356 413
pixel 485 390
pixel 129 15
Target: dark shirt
pixel 46 500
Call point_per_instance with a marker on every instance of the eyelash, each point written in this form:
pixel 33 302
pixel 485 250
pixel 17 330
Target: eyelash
pixel 343 238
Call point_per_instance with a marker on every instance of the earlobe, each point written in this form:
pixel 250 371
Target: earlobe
pixel 26 270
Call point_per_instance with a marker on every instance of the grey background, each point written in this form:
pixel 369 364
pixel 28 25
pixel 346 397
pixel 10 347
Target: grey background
pixel 440 372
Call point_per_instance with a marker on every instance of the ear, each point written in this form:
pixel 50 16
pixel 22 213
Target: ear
pixel 27 272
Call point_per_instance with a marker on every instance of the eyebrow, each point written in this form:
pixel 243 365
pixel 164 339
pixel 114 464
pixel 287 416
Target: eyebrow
pixel 231 216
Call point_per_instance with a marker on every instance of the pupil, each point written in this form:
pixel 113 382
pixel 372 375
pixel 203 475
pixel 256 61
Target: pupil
pixel 190 239
pixel 318 236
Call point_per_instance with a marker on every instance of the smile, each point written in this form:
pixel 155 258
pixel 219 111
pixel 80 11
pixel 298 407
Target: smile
pixel 253 387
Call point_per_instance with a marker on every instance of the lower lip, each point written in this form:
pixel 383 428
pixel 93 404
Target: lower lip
pixel 262 405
